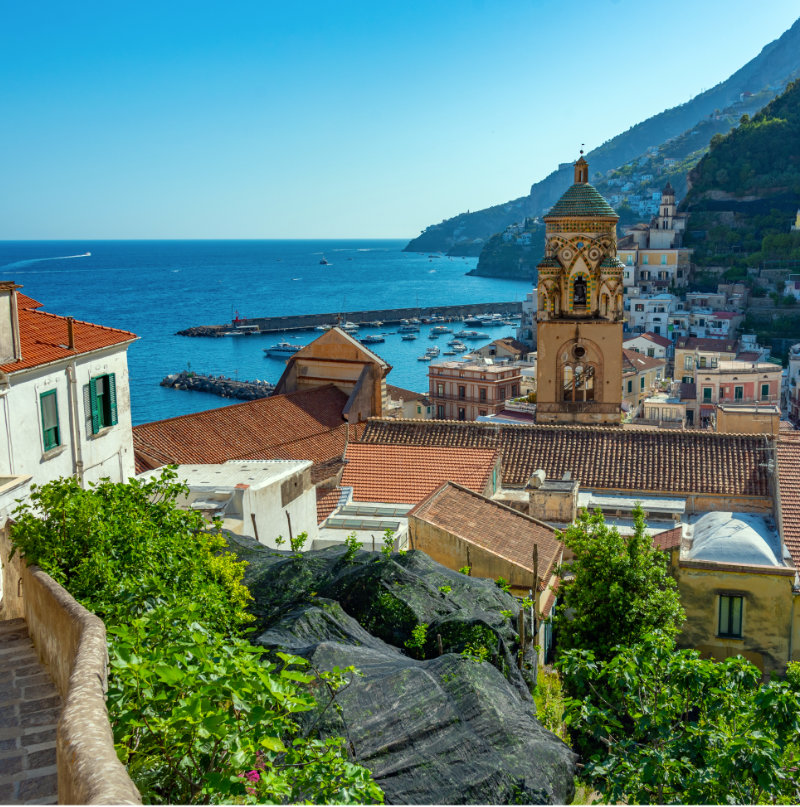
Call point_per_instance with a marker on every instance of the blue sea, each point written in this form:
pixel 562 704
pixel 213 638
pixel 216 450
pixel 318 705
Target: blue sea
pixel 155 288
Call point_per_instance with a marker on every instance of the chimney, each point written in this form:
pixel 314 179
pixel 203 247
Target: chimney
pixel 71 333
pixel 10 348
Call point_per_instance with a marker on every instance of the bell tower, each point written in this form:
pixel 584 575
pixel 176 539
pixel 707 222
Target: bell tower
pixel 580 311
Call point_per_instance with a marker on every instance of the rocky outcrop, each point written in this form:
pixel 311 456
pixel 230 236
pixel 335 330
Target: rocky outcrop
pixel 442 727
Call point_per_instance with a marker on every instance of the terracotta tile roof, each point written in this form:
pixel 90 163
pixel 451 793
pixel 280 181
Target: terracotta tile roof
pixel 788 451
pixel 492 526
pixel 600 457
pixel 652 337
pixel 707 344
pixel 407 474
pixel 327 502
pixel 44 338
pixel 748 355
pixel 23 301
pixel 305 425
pixel 633 362
pixel 400 394
pixel 668 539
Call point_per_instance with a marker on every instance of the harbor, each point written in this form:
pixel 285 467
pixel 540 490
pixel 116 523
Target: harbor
pixel 386 316
pixel 219 385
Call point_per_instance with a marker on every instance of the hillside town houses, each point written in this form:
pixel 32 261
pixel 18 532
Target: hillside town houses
pixel 605 406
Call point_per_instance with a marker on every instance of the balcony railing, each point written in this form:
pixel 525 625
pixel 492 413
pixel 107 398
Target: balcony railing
pixel 435 396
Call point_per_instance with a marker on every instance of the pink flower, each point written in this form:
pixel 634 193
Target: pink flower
pixel 253 776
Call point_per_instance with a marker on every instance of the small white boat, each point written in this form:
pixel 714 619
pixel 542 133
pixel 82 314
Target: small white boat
pixel 372 339
pixel 432 351
pixel 426 357
pixel 438 329
pixel 349 327
pixel 283 349
pixel 432 335
pixel 376 323
pixel 323 327
pixel 408 337
pixel 407 326
pixel 449 353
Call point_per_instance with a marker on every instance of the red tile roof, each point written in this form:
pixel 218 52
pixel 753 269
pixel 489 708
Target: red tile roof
pixel 407 474
pixel 707 344
pixel 23 301
pixel 668 539
pixel 633 362
pixel 327 502
pixel 788 455
pixel 492 526
pixel 305 425
pixel 400 394
pixel 651 337
pixel 609 458
pixel 44 337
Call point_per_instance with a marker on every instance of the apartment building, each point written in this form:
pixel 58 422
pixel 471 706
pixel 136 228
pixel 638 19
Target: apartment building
pixel 466 390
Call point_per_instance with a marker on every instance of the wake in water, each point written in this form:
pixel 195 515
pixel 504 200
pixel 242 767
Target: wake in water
pixel 17 264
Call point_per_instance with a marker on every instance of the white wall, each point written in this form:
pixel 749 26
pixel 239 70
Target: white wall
pixel 109 453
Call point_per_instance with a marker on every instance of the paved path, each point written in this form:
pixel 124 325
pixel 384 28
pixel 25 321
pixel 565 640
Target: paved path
pixel 29 710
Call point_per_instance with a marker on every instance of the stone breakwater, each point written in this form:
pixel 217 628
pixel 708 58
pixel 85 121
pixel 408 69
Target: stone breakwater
pixel 389 316
pixel 219 385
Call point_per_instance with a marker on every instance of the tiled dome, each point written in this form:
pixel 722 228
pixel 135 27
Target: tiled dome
pixel 581 199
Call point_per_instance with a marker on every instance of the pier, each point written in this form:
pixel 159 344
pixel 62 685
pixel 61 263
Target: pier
pixel 388 316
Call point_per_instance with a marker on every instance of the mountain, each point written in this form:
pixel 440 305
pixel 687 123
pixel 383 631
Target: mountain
pixel 744 192
pixel 466 233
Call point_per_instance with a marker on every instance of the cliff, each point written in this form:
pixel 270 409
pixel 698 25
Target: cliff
pixel 467 232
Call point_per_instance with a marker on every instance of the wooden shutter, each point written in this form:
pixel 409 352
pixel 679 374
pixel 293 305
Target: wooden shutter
pixel 87 409
pixel 94 405
pixel 112 396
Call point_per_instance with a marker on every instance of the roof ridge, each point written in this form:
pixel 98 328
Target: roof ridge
pixel 78 321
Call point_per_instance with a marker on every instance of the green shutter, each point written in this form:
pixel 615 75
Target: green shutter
pixel 95 407
pixel 50 431
pixel 112 397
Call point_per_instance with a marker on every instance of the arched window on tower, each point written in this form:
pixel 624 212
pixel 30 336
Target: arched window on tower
pixel 578 382
pixel 579 292
pixel 605 304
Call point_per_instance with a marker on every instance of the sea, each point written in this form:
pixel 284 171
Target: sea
pixel 156 288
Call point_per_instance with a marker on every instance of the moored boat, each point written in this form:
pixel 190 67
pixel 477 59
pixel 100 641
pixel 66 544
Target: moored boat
pixel 372 339
pixel 282 349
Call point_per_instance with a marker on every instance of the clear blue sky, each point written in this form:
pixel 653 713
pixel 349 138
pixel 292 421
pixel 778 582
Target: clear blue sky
pixel 263 119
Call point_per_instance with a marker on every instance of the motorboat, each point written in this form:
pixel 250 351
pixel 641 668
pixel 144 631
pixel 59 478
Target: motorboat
pixel 432 351
pixel 472 335
pixel 283 349
pixel 439 329
pixel 372 339
pixel 408 327
pixel 376 323
pixel 472 321
pixel 449 353
pixel 408 337
pixel 433 335
pixel 349 327
pixel 426 357
pixel 323 327
pixel 323 262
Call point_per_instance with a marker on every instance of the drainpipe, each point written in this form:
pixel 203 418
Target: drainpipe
pixel 74 420
pixel 791 625
pixel 7 420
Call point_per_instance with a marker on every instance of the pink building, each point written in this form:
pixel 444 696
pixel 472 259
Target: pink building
pixel 464 391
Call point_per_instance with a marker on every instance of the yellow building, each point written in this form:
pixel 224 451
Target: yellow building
pixel 641 377
pixel 580 310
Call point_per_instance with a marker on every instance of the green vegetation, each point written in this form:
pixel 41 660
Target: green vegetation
pixel 416 644
pixel 616 590
pixel 550 702
pixel 198 717
pixel 661 726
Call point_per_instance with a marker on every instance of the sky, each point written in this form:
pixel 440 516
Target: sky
pixel 304 119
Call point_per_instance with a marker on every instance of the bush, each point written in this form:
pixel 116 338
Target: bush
pixel 198 717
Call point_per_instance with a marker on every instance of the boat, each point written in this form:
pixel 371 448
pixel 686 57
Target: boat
pixel 408 337
pixel 414 321
pixel 408 327
pixel 449 353
pixel 463 333
pixel 283 349
pixel 439 329
pixel 323 262
pixel 323 327
pixel 459 348
pixel 242 330
pixel 472 321
pixel 349 327
pixel 376 323
pixel 372 339
pixel 433 335
pixel 426 357
pixel 477 335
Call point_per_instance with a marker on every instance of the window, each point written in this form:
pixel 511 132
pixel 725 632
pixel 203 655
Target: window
pixel 687 363
pixel 764 392
pixel 419 409
pixel 629 260
pixel 462 392
pixel 501 393
pixel 646 259
pixel 730 616
pixel 706 393
pixel 103 401
pixel 721 393
pixel 738 393
pixel 51 434
pixel 663 260
pixel 440 412
pixel 514 390
pixel 462 413
pixel 440 389
pixel 482 394
pixel 651 352
pixel 482 412
pixel 641 383
pixel 630 386
pixel 687 379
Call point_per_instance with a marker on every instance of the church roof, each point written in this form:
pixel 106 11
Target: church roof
pixel 611 263
pixel 582 199
pixel 548 263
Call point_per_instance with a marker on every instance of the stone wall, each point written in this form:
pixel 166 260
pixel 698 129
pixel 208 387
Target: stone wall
pixel 71 644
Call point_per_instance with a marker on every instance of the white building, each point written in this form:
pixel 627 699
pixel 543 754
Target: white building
pixel 526 332
pixel 650 312
pixel 64 398
pixel 793 386
pixel 265 499
pixel 649 344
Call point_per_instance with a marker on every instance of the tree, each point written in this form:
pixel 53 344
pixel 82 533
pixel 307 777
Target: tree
pixel 616 590
pixel 661 726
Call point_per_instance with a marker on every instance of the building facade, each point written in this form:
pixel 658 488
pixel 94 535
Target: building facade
pixel 468 390
pixel 580 310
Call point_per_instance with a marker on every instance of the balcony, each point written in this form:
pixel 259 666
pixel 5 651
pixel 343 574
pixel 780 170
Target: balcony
pixel 471 399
